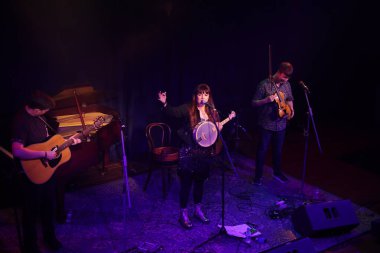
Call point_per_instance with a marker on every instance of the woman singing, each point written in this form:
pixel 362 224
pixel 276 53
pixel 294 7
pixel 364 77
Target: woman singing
pixel 195 160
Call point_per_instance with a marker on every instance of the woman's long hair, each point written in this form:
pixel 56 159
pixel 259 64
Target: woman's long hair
pixel 193 110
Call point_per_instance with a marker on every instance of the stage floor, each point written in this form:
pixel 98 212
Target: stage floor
pixel 101 221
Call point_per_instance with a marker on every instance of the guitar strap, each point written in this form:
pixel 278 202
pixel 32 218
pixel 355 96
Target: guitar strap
pixel 47 125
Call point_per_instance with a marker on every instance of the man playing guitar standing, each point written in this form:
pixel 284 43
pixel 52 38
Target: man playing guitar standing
pixel 30 127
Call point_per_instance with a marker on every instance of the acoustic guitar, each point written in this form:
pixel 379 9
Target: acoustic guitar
pixel 41 170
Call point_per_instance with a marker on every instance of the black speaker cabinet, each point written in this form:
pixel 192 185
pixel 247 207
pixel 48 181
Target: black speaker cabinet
pixel 303 245
pixel 325 218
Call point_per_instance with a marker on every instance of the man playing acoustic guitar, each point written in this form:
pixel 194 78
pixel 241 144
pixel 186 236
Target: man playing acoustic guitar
pixel 274 101
pixel 30 127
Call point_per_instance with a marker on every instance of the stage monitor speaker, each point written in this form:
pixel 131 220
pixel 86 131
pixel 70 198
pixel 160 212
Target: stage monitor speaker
pixel 303 245
pixel 324 218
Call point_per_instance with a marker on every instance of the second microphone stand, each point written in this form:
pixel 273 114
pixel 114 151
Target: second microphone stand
pixel 310 117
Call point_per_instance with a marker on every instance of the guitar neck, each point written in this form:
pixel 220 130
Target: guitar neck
pixel 69 142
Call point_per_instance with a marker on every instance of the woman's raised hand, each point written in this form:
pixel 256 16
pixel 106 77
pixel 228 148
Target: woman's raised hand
pixel 162 96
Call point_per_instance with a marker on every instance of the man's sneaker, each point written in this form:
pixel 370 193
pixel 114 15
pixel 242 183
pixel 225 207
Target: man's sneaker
pixel 280 177
pixel 257 181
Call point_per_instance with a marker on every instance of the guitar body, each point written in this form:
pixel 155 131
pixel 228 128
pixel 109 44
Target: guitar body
pixel 41 170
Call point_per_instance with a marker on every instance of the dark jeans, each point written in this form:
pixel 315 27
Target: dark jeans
pixel 277 138
pixel 37 203
pixel 192 172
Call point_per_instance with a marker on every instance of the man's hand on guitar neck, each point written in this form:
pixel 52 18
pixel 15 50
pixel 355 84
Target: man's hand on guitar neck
pixel 75 140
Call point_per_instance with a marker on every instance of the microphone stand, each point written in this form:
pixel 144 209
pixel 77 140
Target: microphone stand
pixel 242 128
pixel 237 139
pixel 222 230
pixel 306 134
pixel 125 174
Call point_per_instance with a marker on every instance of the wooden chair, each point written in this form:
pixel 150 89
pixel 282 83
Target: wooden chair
pixel 162 155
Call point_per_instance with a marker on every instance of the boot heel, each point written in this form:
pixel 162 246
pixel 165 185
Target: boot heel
pixel 184 219
pixel 200 215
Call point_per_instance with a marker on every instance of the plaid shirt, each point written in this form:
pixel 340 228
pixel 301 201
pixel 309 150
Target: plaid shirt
pixel 268 113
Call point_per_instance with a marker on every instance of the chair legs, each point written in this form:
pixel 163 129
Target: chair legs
pixel 163 182
pixel 148 178
pixel 166 182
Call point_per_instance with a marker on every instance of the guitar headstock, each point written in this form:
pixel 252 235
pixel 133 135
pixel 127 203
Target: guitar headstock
pixel 232 115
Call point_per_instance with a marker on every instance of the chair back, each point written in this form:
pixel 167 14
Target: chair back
pixel 158 135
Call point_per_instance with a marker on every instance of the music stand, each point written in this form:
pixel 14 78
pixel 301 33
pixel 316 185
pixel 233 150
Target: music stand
pixel 222 230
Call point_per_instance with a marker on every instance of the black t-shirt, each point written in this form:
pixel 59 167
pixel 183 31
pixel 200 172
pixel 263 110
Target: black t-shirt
pixel 28 129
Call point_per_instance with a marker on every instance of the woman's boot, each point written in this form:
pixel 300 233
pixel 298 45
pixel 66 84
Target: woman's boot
pixel 199 214
pixel 184 218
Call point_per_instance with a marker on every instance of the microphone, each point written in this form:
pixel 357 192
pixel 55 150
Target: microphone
pixel 303 85
pixel 241 127
pixel 209 105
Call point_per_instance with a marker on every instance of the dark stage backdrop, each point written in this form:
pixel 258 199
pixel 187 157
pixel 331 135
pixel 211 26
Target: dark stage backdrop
pixel 133 49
